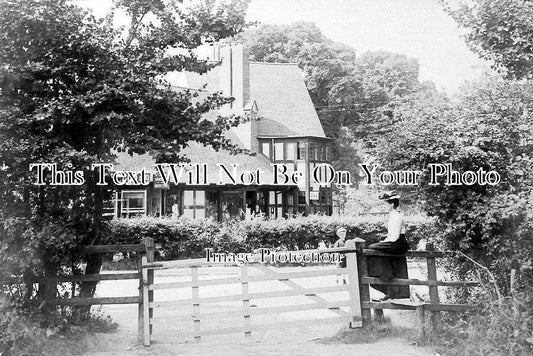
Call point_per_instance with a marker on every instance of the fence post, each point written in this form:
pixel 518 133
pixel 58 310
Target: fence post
pixel 140 313
pixel 356 320
pixel 420 311
pixel 148 295
pixel 362 271
pixel 433 290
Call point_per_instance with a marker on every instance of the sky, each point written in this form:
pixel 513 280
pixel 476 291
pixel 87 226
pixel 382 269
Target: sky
pixel 416 28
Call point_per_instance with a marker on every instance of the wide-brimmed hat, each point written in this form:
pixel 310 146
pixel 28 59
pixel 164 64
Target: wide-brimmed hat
pixel 391 194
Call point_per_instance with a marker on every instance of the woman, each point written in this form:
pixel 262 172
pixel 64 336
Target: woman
pixel 395 243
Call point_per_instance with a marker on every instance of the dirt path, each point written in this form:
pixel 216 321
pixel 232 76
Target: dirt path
pixel 285 338
pixel 283 341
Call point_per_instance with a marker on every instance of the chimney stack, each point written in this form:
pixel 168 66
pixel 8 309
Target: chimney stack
pixel 235 82
pixel 235 76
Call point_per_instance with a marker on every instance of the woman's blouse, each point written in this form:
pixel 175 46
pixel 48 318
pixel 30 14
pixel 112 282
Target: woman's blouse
pixel 396 226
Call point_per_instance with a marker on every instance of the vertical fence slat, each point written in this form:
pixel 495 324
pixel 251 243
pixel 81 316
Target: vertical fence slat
pixel 146 293
pixel 196 302
pixel 245 301
pixel 146 306
pixel 433 290
pixel 364 289
pixel 356 319
pixel 140 312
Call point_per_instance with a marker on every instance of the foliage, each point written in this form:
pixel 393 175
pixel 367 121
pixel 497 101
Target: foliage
pixel 185 238
pixel 75 89
pixel 25 334
pixel 489 129
pixel 492 329
pixel 500 31
pixel 12 329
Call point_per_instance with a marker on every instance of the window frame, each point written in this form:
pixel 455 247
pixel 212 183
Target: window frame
pixel 195 205
pixel 126 212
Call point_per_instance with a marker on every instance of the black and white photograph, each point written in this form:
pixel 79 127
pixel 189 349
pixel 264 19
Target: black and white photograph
pixel 266 177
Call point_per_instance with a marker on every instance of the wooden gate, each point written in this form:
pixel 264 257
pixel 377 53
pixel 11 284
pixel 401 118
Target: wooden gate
pixel 340 300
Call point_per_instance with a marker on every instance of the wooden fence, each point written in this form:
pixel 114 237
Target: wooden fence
pixel 433 305
pixel 358 304
pixel 246 298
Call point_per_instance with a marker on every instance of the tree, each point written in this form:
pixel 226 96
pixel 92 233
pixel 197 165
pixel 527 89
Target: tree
pixel 387 79
pixel 395 75
pixel 500 31
pixel 75 89
pixel 489 129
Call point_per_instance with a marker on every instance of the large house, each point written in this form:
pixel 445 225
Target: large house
pixel 283 128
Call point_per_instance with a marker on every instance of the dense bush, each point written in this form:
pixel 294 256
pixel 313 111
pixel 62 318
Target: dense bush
pixel 184 238
pixel 493 329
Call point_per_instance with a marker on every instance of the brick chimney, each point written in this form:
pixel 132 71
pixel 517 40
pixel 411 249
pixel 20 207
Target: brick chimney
pixel 235 82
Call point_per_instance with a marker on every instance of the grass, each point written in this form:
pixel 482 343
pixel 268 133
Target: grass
pixel 373 332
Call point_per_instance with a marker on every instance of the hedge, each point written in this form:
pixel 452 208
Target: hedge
pixel 185 238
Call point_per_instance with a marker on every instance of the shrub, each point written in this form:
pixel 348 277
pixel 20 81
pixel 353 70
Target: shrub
pixel 185 238
pixel 27 332
pixel 13 329
pixel 493 329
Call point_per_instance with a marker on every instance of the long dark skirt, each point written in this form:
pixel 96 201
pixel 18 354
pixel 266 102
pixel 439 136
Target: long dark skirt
pixel 386 268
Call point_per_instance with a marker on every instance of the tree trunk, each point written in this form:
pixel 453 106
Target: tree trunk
pixel 94 261
pixel 49 285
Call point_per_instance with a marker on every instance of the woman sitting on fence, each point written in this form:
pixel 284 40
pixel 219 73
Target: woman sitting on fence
pixel 386 268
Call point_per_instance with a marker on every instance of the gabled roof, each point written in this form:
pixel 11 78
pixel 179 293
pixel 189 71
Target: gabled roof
pixel 279 90
pixel 284 104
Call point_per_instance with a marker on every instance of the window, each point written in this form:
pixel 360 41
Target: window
pixel 300 154
pixel 265 149
pixel 327 153
pixel 290 151
pixel 318 153
pixel 311 151
pixel 194 204
pixel 278 151
pixel 133 203
pixel 301 197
